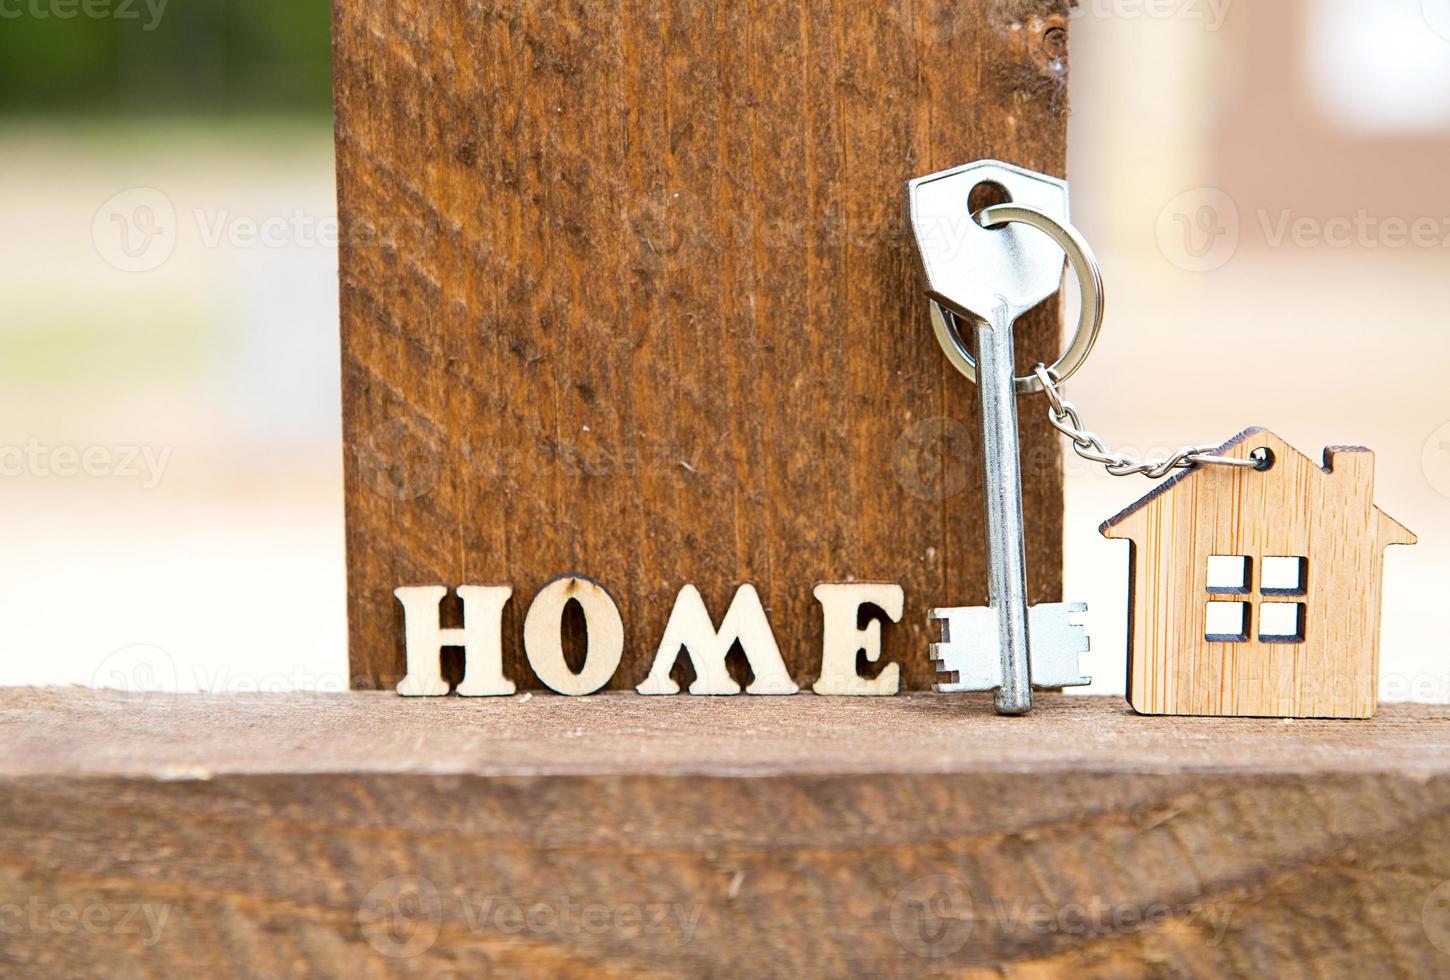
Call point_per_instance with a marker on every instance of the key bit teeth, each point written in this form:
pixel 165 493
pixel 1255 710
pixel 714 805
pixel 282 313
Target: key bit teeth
pixel 944 661
pixel 967 658
pixel 1058 639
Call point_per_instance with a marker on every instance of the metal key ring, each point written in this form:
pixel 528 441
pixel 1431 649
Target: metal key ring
pixel 1090 284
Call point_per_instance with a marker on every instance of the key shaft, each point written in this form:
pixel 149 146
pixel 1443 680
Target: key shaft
pixel 1002 464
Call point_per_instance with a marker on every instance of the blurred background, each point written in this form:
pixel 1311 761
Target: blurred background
pixel 170 460
pixel 1265 184
pixel 1266 187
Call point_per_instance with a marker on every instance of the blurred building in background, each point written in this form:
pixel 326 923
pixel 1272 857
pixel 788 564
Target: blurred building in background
pixel 169 433
pixel 1264 183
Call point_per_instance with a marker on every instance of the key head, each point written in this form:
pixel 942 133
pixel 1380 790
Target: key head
pixel 975 271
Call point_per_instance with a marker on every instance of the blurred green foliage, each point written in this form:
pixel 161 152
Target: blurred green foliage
pixel 162 56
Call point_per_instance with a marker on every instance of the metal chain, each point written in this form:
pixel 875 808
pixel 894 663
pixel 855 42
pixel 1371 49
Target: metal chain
pixel 1065 419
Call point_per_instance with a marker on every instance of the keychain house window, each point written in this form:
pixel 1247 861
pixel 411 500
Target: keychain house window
pixel 1281 581
pixel 1281 620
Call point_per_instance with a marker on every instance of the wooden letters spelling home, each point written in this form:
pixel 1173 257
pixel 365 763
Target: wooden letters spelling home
pixel 690 630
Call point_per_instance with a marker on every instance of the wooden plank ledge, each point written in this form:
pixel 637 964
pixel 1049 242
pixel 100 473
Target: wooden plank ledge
pixel 362 835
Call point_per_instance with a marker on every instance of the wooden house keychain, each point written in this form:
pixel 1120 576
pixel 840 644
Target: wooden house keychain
pixel 1255 573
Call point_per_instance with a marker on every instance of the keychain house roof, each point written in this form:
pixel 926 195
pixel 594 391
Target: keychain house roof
pixel 1257 592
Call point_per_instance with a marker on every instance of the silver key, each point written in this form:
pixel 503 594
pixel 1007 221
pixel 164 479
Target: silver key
pixel 985 278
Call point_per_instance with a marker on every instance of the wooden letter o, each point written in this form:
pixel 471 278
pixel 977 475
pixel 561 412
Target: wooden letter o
pixel 544 642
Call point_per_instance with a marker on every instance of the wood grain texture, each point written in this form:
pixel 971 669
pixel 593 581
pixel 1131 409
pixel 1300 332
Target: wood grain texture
pixel 812 837
pixel 1297 509
pixel 626 292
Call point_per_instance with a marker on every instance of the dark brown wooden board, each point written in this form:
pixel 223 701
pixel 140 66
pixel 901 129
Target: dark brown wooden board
pixel 626 291
pixel 806 837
